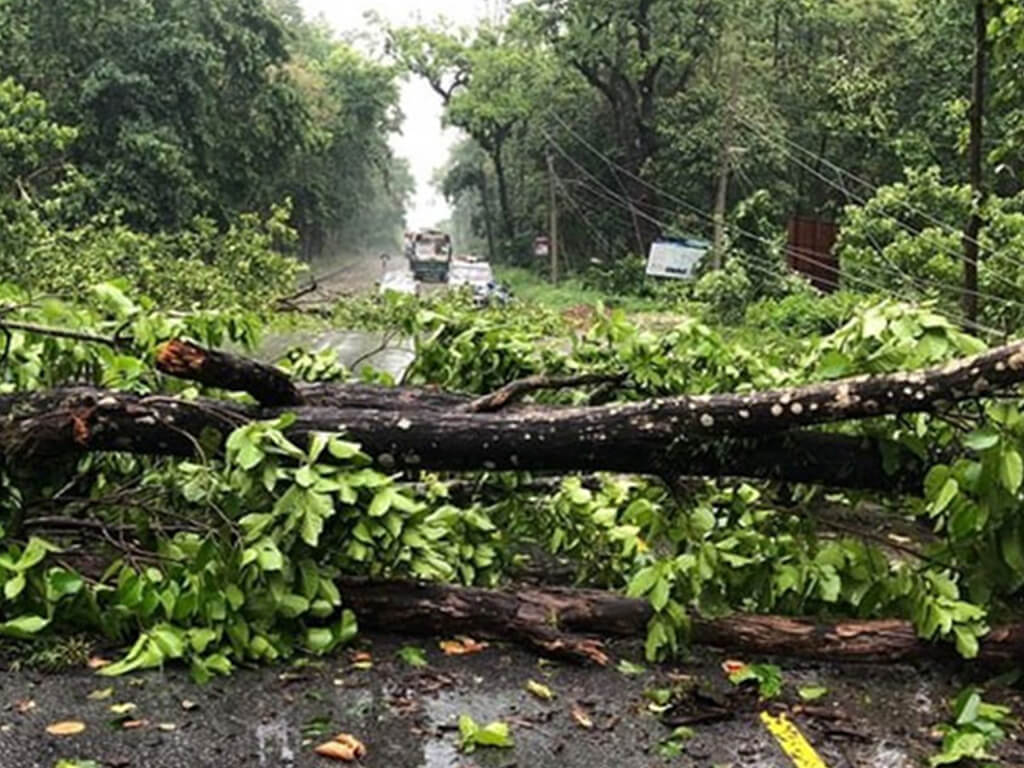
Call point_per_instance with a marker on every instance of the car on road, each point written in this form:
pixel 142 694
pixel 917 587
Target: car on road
pixel 479 278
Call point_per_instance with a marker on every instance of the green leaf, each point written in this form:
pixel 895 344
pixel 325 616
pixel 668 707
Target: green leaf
pixel 305 476
pixel 234 596
pixel 629 669
pixel 35 551
pixel 317 443
pixel 23 626
pixel 982 439
pixel 312 527
pixel 812 692
pixel 660 594
pixel 1013 552
pixel 348 627
pixel 269 556
pixel 342 450
pixel 642 582
pixel 293 606
pixel 14 586
pixel 965 708
pixel 413 656
pixel 1011 470
pixel 62 583
pixel 319 639
pixel 495 734
pixel 539 690
pixel 170 641
pixel 966 641
pixel 381 502
pixel 949 491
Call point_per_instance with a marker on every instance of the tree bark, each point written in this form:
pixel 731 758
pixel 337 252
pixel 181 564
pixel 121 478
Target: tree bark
pixel 508 227
pixel 266 384
pixel 423 431
pixel 755 435
pixel 569 622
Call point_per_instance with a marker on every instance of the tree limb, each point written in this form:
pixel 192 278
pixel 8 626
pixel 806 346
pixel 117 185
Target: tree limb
pixel 564 622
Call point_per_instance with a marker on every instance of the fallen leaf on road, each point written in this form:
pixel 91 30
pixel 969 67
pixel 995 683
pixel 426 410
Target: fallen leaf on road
pixel 95 662
pixel 362 660
pixel 812 692
pixel 100 694
pixel 731 666
pixel 460 646
pixel 122 709
pixel 581 717
pixel 344 746
pixel 413 656
pixel 539 690
pixel 25 705
pixel 130 725
pixel 167 726
pixel 188 705
pixel 65 728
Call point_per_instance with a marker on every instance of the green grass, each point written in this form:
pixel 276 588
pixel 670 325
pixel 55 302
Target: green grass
pixel 530 287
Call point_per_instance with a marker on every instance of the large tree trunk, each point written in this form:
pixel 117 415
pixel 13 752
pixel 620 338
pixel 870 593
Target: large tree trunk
pixel 569 622
pixel 507 221
pixel 402 432
pixel 760 435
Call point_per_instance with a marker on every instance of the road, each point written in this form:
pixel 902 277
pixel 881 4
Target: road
pixel 870 717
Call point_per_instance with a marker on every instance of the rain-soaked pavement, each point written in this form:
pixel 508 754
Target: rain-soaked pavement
pixel 871 716
pixel 381 351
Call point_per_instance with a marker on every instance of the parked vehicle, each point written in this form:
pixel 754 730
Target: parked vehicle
pixel 479 278
pixel 429 252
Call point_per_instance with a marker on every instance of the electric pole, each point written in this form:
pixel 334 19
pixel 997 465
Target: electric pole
pixel 970 296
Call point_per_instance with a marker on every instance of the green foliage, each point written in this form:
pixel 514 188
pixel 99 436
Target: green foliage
pixel 767 677
pixel 908 238
pixel 726 292
pixel 806 313
pixel 977 727
pixel 274 524
pixel 195 267
pixel 473 735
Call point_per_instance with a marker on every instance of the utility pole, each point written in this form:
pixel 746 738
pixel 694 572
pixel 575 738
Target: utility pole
pixel 553 227
pixel 719 215
pixel 970 296
pixel 725 163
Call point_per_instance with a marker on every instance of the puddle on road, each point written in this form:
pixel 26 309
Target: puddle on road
pixel 272 743
pixel 442 711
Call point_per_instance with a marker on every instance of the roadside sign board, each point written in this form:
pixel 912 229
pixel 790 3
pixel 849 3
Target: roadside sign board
pixel 541 247
pixel 676 258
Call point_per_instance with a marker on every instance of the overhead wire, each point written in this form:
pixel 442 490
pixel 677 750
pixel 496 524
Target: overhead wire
pixel 862 201
pixel 630 205
pixel 874 189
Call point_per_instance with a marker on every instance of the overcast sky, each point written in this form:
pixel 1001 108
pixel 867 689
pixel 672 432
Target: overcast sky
pixel 422 143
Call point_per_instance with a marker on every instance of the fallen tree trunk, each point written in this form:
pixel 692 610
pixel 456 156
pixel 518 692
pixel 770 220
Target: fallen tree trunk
pixel 684 416
pixel 57 423
pixel 758 435
pixel 568 623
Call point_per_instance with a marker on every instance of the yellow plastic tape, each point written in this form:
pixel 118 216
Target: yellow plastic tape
pixel 792 742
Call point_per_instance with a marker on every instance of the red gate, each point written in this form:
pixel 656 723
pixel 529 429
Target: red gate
pixel 809 251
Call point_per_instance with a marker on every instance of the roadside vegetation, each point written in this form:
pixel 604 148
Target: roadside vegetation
pixel 140 205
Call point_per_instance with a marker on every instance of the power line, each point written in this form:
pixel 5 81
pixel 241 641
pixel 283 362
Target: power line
pixel 863 201
pixel 614 197
pixel 868 185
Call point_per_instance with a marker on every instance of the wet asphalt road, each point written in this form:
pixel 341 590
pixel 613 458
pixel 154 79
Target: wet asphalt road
pixel 871 716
